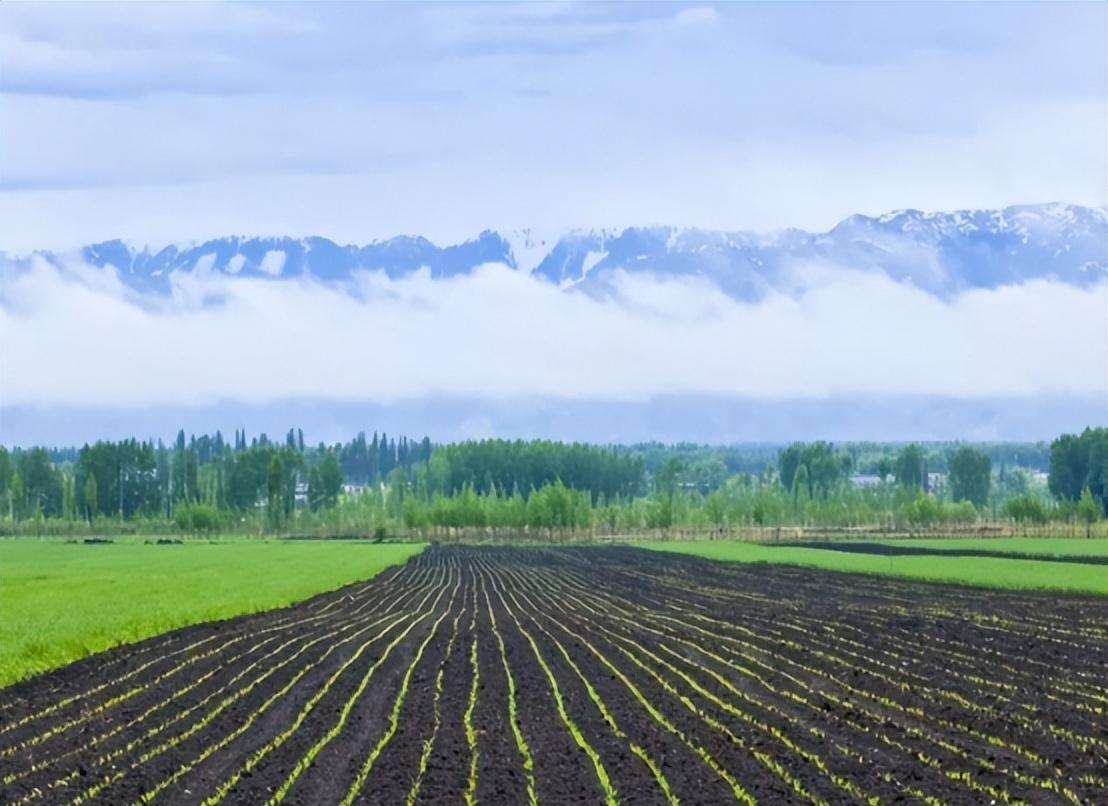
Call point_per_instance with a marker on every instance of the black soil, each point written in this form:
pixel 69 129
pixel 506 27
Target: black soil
pixel 715 683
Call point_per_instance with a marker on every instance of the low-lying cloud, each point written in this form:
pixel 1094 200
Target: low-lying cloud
pixel 78 336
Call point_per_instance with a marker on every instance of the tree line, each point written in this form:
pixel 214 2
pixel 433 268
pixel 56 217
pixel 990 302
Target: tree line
pixel 523 466
pixel 206 482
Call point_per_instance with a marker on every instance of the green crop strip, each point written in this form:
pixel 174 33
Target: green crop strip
pixel 249 721
pixel 639 751
pixel 130 746
pixel 114 701
pixel 964 778
pixel 177 717
pixel 513 707
pixel 923 797
pixel 930 693
pixel 766 760
pixel 97 689
pixel 121 726
pixel 843 783
pixel 471 706
pixel 394 718
pixel 150 794
pixel 915 712
pixel 608 613
pixel 779 735
pixel 283 736
pixel 207 720
pixel 429 743
pixel 740 794
pixel 601 773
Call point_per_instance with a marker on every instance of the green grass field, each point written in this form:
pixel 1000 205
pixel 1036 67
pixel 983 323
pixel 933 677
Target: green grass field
pixel 1058 546
pixel 987 571
pixel 63 601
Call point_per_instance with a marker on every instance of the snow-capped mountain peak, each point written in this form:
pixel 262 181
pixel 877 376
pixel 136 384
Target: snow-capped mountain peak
pixel 944 253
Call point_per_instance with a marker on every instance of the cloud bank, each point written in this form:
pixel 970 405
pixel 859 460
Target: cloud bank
pixel 158 122
pixel 77 336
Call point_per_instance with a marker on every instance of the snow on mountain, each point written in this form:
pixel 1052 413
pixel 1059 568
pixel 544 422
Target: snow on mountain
pixel 528 247
pixel 146 269
pixel 943 253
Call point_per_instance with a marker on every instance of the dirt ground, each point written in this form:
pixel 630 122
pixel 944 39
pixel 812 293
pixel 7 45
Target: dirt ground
pixel 586 675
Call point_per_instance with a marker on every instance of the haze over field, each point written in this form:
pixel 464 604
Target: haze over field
pixel 492 220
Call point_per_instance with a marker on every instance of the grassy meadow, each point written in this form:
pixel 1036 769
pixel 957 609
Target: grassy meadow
pixel 1055 546
pixel 63 601
pixel 986 571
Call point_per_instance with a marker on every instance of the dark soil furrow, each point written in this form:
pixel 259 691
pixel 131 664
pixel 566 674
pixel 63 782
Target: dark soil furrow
pixel 635 678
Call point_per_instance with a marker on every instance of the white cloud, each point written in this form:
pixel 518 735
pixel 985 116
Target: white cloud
pixel 700 15
pixel 500 334
pixel 397 120
pixel 1046 151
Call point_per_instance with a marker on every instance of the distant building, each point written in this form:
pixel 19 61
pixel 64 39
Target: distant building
pixel 936 482
pixel 863 480
pixel 354 489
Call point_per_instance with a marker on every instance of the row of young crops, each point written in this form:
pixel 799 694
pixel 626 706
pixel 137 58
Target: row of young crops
pixel 518 675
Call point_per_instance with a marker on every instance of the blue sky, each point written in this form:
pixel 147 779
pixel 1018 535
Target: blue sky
pixel 175 122
pixel 168 122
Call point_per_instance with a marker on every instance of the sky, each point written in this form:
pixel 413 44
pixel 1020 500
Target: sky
pixel 176 122
pixel 168 122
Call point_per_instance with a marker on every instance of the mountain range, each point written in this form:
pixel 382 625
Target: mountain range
pixel 942 253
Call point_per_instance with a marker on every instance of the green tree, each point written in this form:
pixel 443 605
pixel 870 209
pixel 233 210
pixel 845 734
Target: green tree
pixel 667 477
pixel 192 474
pixel 884 468
pixel 330 479
pixel 801 485
pixel 1068 467
pixel 6 470
pixel 275 487
pixel 969 477
pixel 823 470
pixel 91 497
pixel 127 480
pixel 911 467
pixel 16 497
pixel 69 502
pixel 715 507
pixel 42 483
pixel 706 474
pixel 315 490
pixel 1078 462
pixel 1088 510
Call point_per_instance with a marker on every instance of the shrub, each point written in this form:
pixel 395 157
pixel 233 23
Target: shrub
pixel 923 509
pixel 196 517
pixel 1026 509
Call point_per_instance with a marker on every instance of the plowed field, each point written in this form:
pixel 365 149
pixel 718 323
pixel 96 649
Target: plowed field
pixel 586 675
